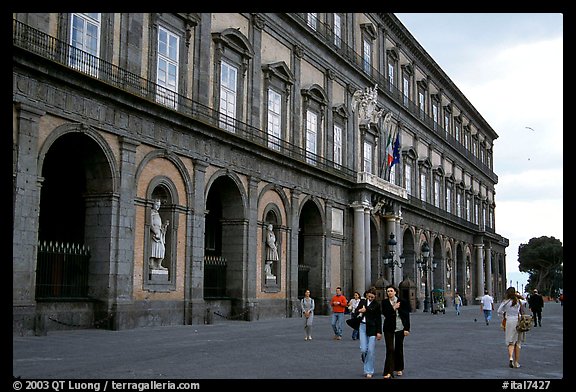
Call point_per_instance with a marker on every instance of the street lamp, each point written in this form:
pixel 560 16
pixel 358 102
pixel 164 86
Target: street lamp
pixel 388 258
pixel 425 265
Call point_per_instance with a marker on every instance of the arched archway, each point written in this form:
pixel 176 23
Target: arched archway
pixel 224 240
pixel 75 219
pixel 310 251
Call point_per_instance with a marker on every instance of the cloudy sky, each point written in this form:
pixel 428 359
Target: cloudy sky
pixel 510 67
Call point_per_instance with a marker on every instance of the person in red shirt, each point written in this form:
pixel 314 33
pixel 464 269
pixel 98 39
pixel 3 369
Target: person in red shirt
pixel 339 304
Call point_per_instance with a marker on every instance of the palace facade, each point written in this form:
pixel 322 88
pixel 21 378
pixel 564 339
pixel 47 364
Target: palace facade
pixel 335 130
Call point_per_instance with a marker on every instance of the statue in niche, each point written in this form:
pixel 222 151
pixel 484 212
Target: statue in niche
pixel 271 252
pixel 158 231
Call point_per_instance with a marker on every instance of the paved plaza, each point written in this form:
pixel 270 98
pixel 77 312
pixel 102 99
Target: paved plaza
pixel 440 347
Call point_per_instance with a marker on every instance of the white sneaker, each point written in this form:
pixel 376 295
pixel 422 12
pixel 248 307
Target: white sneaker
pixel 309 337
pixel 306 338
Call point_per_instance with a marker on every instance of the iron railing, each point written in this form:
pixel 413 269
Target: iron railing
pixel 62 270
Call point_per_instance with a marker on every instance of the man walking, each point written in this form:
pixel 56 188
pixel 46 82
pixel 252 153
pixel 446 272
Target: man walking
pixel 339 304
pixel 457 303
pixel 536 303
pixel 487 306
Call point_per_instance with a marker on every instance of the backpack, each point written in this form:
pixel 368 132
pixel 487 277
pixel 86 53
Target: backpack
pixel 524 321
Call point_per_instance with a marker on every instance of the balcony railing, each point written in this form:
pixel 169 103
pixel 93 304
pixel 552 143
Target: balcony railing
pixel 52 49
pixel 325 33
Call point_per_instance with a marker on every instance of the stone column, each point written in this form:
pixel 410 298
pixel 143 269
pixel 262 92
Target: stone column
pixel 26 199
pixel 479 270
pixel 367 246
pixel 488 268
pixel 198 313
pixel 292 257
pixel 251 302
pixel 358 261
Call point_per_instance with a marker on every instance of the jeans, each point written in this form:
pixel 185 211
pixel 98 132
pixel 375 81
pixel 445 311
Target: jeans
pixel 487 315
pixel 457 307
pixel 337 323
pixel 367 347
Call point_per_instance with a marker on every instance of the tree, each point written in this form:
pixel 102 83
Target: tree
pixel 542 258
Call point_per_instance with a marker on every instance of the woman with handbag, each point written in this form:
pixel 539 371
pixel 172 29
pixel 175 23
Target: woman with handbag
pixel 396 327
pixel 370 329
pixel 307 305
pixel 511 308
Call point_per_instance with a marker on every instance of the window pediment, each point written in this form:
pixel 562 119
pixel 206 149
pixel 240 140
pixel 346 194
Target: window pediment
pixel 315 93
pixel 369 30
pixel 279 70
pixel 235 40
pixel 340 111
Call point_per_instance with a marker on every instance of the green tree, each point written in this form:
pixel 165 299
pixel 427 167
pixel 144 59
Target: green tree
pixel 542 258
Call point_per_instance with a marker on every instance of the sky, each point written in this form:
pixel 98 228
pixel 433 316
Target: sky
pixel 510 67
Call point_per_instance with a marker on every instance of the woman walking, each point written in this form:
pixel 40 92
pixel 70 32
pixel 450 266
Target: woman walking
pixel 370 330
pixel 396 326
pixel 307 305
pixel 510 309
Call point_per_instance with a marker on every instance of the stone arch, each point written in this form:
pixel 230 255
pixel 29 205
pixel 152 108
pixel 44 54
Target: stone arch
pixel 311 249
pixel 77 207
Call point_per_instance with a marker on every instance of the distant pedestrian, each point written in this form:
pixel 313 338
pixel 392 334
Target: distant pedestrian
pixel 457 303
pixel 487 306
pixel 307 306
pixel 370 330
pixel 352 305
pixel 396 326
pixel 536 303
pixel 339 304
pixel 510 309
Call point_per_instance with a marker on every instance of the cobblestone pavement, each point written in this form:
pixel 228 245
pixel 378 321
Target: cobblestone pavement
pixel 440 347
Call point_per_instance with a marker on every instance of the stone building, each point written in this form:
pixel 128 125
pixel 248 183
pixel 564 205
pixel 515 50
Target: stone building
pixel 337 129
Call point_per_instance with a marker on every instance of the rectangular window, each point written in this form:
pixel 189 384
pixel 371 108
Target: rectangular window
pixel 274 119
pixel 167 68
pixel 312 19
pixel 421 104
pixel 408 179
pixel 390 76
pixel 392 178
pixel 367 157
pixel 458 205
pixel 311 136
pixel 228 91
pixel 437 193
pixel 466 141
pixel 406 90
pixel 435 115
pixel 457 131
pixel 447 123
pixel 337 30
pixel 468 209
pixel 85 42
pixel 448 200
pixel 423 186
pixel 367 55
pixel 476 214
pixel 337 144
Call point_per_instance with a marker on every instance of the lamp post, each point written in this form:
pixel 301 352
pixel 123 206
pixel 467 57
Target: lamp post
pixel 388 258
pixel 425 265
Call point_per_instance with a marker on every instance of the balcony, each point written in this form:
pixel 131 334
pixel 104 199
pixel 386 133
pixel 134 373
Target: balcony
pixel 381 184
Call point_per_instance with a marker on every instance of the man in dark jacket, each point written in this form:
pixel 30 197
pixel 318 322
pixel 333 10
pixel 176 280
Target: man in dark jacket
pixel 536 303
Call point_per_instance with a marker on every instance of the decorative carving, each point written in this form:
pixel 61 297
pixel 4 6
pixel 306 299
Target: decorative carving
pixel 364 103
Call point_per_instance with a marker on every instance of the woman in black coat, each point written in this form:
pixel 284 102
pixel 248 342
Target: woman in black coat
pixel 370 329
pixel 396 326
